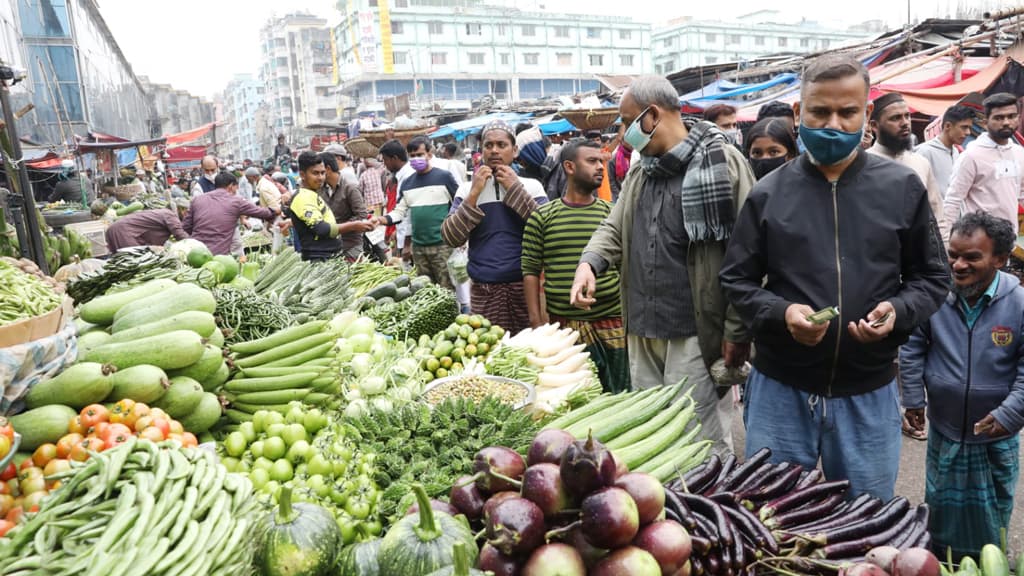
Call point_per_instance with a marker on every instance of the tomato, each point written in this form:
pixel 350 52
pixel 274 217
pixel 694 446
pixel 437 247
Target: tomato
pixel 43 454
pixel 139 410
pixel 6 429
pixel 10 472
pixel 26 464
pixel 153 434
pixel 158 413
pixel 115 430
pixel 14 514
pixel 189 440
pixel 66 443
pixel 13 488
pixel 56 466
pixel 142 423
pixel 6 503
pixel 177 438
pixel 163 424
pixel 122 409
pixel 75 426
pixel 176 427
pixel 93 414
pixel 5 445
pixel 115 440
pixel 80 452
pixel 33 485
pixel 33 500
pixel 99 430
pixel 5 527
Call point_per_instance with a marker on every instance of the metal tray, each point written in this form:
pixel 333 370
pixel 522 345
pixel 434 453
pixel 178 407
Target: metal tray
pixel 531 392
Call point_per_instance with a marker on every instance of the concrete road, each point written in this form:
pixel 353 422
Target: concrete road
pixel 910 482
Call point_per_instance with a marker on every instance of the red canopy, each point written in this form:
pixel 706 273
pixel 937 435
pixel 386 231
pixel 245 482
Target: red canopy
pixel 190 135
pixel 185 154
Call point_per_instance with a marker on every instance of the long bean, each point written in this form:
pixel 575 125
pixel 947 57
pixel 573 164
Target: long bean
pixel 23 295
pixel 248 316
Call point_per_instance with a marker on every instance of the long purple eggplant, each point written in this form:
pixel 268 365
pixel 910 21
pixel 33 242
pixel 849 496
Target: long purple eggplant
pixel 794 499
pixel 701 479
pixel 711 510
pixel 763 475
pixel 809 511
pixel 737 553
pixel 672 502
pixel 707 528
pixel 701 546
pixel 742 472
pixel 696 566
pixel 910 537
pixel 727 467
pixel 714 563
pixel 813 477
pixel 881 521
pixel 781 485
pixel 864 544
pixel 840 510
pixel 746 522
pixel 862 511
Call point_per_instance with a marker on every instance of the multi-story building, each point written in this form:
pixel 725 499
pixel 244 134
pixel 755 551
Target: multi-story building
pixel 685 42
pixel 297 74
pixel 447 53
pixel 241 100
pixel 174 110
pixel 77 77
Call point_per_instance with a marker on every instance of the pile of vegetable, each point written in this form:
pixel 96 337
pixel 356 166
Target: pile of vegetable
pixel 366 276
pixel 569 506
pixel 244 315
pixel 23 295
pixel 140 508
pixel 466 338
pixel 653 431
pixel 373 371
pixel 308 290
pixel 428 311
pixel 783 515
pixel 415 443
pixel 123 265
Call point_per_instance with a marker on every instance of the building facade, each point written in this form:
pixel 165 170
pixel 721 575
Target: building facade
pixel 174 110
pixel 686 43
pixel 446 54
pixel 241 100
pixel 78 78
pixel 297 74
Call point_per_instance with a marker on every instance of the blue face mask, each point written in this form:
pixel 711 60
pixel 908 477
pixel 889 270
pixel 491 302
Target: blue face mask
pixel 635 135
pixel 828 146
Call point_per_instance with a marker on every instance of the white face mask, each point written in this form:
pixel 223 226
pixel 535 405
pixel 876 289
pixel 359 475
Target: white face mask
pixel 735 136
pixel 210 175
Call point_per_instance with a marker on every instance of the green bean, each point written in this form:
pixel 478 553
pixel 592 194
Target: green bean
pixel 23 295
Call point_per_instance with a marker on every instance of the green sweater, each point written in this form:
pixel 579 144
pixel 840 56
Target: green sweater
pixel 553 242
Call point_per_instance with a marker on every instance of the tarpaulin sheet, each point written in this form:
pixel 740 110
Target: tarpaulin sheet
pixel 190 135
pixel 189 154
pixel 721 97
pixel 556 127
pixel 463 128
pixel 715 87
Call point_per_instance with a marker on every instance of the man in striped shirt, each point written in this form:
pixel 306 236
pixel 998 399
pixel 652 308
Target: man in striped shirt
pixel 555 236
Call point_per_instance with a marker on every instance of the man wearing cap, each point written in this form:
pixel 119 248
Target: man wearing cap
pixel 348 173
pixel 148 227
pixel 247 187
pixel 890 121
pixel 490 212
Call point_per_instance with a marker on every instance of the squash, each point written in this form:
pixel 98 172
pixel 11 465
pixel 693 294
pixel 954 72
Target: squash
pixel 302 540
pixel 462 567
pixel 360 559
pixel 80 385
pixel 422 543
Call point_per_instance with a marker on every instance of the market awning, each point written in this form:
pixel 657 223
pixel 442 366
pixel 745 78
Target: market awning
pixel 190 135
pixel 556 127
pixel 87 147
pixel 464 128
pixel 187 154
pixel 715 87
pixel 788 78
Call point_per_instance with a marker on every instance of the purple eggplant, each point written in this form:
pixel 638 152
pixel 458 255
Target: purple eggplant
pixel 516 527
pixel 743 471
pixel 752 528
pixel 813 477
pixel 862 508
pixel 883 519
pixel 866 539
pixel 542 485
pixel 548 446
pixel 802 496
pixel 712 511
pixel 700 478
pixel 806 513
pixel 498 469
pixel 610 518
pixel 782 484
pixel 466 498
pixel 587 466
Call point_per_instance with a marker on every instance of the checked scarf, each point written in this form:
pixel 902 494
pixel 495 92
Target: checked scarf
pixel 708 209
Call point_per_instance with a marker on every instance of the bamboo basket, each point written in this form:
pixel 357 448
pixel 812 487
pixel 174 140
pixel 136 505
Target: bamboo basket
pixel 379 137
pixel 361 148
pixel 592 119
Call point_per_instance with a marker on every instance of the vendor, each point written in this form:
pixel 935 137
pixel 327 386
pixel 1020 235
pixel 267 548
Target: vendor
pixel 73 188
pixel 148 227
pixel 312 218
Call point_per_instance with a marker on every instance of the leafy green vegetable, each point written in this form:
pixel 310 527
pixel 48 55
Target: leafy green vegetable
pixel 428 311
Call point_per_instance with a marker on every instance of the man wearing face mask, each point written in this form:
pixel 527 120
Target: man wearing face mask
pixel 851 235
pixel 205 183
pixel 890 121
pixel 724 116
pixel 666 236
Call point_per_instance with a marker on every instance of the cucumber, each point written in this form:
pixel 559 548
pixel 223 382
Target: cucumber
pixel 90 340
pixel 387 289
pixel 287 350
pixel 205 367
pixel 181 298
pixel 183 395
pixel 102 310
pixel 78 386
pixel 279 338
pixel 217 338
pixel 206 413
pixel 294 380
pixel 218 379
pixel 42 425
pixel 272 396
pixel 168 351
pixel 142 383
pixel 402 293
pixel 993 561
pixel 402 281
pixel 201 323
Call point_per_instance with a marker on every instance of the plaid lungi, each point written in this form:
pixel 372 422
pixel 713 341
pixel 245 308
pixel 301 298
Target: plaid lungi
pixel 502 304
pixel 606 342
pixel 969 489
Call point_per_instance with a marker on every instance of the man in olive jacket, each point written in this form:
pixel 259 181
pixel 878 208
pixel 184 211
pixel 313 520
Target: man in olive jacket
pixel 667 236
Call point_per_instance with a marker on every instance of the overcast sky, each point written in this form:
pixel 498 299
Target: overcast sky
pixel 198 45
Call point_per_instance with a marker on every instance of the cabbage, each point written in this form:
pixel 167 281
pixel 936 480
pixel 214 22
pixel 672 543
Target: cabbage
pixel 181 248
pixel 361 325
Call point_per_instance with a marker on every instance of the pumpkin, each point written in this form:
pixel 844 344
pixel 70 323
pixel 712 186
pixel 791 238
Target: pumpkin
pixel 302 539
pixel 423 542
pixel 360 559
pixel 461 566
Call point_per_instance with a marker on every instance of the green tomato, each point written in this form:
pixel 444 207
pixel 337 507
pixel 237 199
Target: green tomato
pixel 272 488
pixel 318 465
pixel 295 414
pixel 339 497
pixel 462 319
pixel 231 464
pixel 256 448
pixel 473 339
pixel 485 323
pixel 294 433
pixel 242 467
pixel 373 528
pixel 338 468
pixel 274 418
pixel 259 421
pixel 342 451
pixel 274 448
pixel 262 463
pixel 348 529
pixel 451 333
pixel 277 428
pixel 465 331
pixel 314 421
pixel 298 452
pixel 259 477
pixel 248 429
pixel 235 444
pixel 318 485
pixel 282 470
pixel 357 508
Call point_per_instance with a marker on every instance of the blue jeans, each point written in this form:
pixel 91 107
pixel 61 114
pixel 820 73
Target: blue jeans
pixel 856 437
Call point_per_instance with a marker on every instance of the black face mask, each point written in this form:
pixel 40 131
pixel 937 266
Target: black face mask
pixel 762 166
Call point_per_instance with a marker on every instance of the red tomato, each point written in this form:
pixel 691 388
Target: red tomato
pixel 142 423
pixel 56 466
pixel 66 443
pixel 99 430
pixel 176 427
pixel 14 514
pixel 189 440
pixel 26 464
pixel 139 410
pixel 6 428
pixel 153 434
pixel 93 414
pixel 75 426
pixel 158 413
pixel 114 431
pixel 5 527
pixel 163 424
pixel 6 503
pixel 43 454
pixel 10 472
pixel 5 445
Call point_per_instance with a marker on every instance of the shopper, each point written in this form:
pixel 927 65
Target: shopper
pixel 345 201
pixel 148 227
pixel 770 144
pixel 372 182
pixel 206 182
pixel 890 122
pixel 943 150
pixel 312 219
pixel 213 217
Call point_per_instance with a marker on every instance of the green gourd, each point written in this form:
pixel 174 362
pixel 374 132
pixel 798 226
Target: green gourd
pixel 78 386
pixel 302 539
pixel 360 559
pixel 423 542
pixel 461 567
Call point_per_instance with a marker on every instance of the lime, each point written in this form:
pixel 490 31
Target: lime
pixel 473 339
pixel 446 362
pixel 483 349
pixel 471 350
pixel 441 373
pixel 476 321
pixel 433 364
pixel 462 319
pixel 465 331
pixel 457 354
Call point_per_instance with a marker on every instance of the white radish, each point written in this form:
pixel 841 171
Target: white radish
pixel 554 346
pixel 571 364
pixel 558 358
pixel 549 380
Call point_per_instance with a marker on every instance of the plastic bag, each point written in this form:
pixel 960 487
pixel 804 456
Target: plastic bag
pixel 458 264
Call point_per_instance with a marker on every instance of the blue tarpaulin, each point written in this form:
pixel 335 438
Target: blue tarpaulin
pixel 716 87
pixel 463 128
pixel 556 127
pixel 788 78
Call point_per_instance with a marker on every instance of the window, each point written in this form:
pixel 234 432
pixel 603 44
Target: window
pixel 783 42
pixel 625 34
pixel 596 60
pixel 667 42
pixel 564 58
pixel 670 66
pixel 505 58
pixel 476 58
pixel 529 30
pixel 435 28
pixel 657 68
pixel 804 42
pixel 439 58
pixel 734 39
pixel 561 31
pixel 593 33
pixel 46 18
pixel 502 29
pixel 712 38
pixel 626 59
pixel 401 3
pixel 474 29
pixel 531 58
pixel 758 40
pixel 396 27
pixel 825 43
pixel 399 58
pixel 710 59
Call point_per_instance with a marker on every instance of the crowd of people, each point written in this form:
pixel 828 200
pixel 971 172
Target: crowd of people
pixel 862 277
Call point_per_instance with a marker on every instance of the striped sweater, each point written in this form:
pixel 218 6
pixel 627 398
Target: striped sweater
pixel 553 242
pixel 425 199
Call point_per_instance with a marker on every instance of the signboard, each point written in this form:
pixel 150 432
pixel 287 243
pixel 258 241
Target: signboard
pixel 396 106
pixel 368 42
pixel 386 57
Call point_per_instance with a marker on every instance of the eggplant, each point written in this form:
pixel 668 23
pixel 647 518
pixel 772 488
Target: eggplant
pixel 586 466
pixel 813 477
pixel 712 511
pixel 516 527
pixel 673 502
pixel 466 497
pixel 647 492
pixel 727 467
pixel 862 508
pixel 884 518
pixel 610 518
pixel 866 543
pixel 764 474
pixel 707 528
pixel 700 545
pixel 909 538
pixel 696 566
pixel 548 446
pixel 743 471
pixel 749 525
pixel 498 469
pixel 492 560
pixel 805 513
pixel 801 496
pixel 781 485
pixel 700 478
pixel 542 485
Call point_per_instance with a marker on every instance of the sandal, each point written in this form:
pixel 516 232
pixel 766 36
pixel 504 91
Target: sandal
pixel 913 433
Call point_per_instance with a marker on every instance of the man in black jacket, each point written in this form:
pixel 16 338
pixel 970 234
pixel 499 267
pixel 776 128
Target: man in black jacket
pixel 839 228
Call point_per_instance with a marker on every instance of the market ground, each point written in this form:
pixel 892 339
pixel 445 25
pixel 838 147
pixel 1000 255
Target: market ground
pixel 910 482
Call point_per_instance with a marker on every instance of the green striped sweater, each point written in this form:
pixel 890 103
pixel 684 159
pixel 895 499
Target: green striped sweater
pixel 553 242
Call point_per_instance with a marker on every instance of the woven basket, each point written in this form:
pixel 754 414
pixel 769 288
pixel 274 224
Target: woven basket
pixel 360 148
pixel 379 137
pixel 592 119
